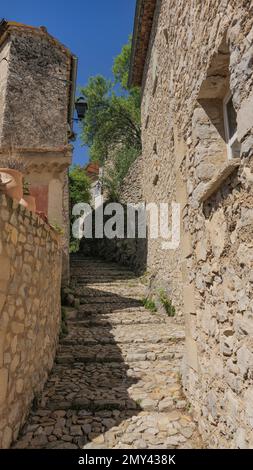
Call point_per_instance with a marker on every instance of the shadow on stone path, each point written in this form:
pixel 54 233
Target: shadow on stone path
pixel 115 382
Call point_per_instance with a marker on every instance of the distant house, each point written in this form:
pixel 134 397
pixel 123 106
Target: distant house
pixel 94 172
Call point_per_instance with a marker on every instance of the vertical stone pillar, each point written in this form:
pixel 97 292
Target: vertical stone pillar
pixel 67 228
pixel 186 249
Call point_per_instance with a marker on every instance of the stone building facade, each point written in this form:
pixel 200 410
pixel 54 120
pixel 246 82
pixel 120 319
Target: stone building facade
pixel 30 311
pixel 194 61
pixel 37 91
pixel 131 190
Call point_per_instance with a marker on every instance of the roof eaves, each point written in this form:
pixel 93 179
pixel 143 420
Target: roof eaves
pixel 144 15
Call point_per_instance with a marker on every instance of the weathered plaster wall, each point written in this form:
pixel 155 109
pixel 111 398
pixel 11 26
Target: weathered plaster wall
pixel 30 312
pixel 37 99
pixel 209 277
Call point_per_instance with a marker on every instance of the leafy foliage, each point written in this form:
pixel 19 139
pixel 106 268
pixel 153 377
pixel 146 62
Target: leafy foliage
pixel 57 228
pixel 111 126
pixel 149 304
pixel 79 190
pixel 121 65
pixel 111 120
pixel 79 185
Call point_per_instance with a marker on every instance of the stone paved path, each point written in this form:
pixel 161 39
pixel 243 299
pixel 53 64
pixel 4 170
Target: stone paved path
pixel 115 382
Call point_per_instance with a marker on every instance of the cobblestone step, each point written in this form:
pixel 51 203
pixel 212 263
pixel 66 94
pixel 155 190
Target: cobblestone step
pixel 113 386
pixel 130 318
pixel 109 300
pixel 118 353
pixel 112 287
pixel 80 334
pixel 108 429
pixel 123 310
pixel 100 291
pixel 103 307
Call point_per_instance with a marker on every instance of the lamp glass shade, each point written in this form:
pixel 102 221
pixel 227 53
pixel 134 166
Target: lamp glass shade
pixel 81 107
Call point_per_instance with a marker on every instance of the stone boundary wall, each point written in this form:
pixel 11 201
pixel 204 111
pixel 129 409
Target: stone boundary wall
pixel 131 252
pixel 30 312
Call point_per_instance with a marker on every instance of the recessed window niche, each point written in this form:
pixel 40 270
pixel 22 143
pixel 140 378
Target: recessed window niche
pixel 215 120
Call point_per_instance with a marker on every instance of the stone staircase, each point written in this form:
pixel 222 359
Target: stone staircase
pixel 116 381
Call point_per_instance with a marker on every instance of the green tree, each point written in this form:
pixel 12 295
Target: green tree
pixel 79 185
pixel 121 65
pixel 80 191
pixel 113 118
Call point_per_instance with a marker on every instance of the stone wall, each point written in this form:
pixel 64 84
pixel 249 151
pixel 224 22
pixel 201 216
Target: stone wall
pixel 131 190
pixel 37 93
pixel 130 252
pixel 30 312
pixel 198 51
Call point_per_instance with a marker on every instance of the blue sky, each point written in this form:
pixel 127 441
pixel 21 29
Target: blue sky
pixel 94 30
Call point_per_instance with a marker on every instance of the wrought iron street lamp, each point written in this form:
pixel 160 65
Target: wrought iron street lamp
pixel 81 108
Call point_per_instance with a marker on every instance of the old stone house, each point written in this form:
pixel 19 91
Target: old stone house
pixel 94 173
pixel 194 61
pixel 37 93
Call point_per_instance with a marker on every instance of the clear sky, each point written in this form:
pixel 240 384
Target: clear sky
pixel 94 30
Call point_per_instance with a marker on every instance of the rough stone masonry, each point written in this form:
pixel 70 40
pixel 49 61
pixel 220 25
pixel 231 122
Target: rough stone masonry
pixel 193 58
pixel 30 311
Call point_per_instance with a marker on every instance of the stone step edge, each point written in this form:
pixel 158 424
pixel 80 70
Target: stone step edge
pixel 107 322
pixel 123 311
pixel 100 276
pixel 118 312
pixel 94 406
pixel 84 342
pixel 112 323
pixel 86 360
pixel 117 364
pixel 135 302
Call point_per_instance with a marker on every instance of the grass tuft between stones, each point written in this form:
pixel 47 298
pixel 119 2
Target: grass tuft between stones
pixel 149 304
pixel 167 304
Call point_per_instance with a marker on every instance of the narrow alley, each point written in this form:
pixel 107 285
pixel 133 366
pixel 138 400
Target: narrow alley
pixel 116 379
